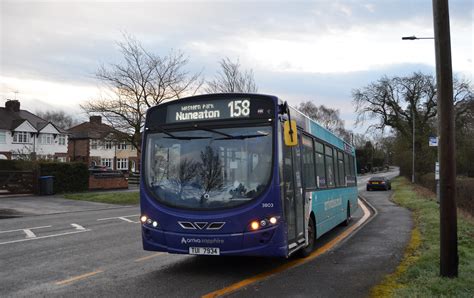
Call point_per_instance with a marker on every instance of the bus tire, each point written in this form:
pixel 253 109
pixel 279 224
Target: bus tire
pixel 306 251
pixel 347 221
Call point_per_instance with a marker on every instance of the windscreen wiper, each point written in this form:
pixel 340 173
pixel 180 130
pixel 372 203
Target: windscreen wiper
pixel 171 136
pixel 229 136
pixel 242 137
pixel 214 131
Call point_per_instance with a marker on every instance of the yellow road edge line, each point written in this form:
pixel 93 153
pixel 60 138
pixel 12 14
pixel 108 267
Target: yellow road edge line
pixel 76 278
pixel 236 286
pixel 149 257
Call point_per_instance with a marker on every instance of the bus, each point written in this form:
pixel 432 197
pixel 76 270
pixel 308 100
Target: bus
pixel 241 174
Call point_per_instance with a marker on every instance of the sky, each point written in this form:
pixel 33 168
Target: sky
pixel 298 50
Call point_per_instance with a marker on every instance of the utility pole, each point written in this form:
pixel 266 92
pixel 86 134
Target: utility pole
pixel 446 145
pixel 413 144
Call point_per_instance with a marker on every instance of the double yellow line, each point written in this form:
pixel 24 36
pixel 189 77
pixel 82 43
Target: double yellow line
pixel 297 262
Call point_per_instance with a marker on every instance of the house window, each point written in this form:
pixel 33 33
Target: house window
pixel 46 139
pixel 122 146
pixel 122 163
pixel 21 137
pixel 94 144
pixel 106 162
pixel 62 140
pixel 108 144
pixel 3 137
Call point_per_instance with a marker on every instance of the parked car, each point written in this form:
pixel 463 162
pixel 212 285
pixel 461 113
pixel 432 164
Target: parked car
pixel 381 183
pixel 99 168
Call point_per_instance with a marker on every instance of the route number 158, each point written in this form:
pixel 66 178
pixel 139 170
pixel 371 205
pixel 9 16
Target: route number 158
pixel 239 108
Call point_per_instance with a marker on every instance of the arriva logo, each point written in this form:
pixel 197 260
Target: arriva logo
pixel 190 240
pixel 199 241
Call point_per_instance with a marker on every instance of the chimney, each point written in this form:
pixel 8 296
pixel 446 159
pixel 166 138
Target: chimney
pixel 95 120
pixel 12 105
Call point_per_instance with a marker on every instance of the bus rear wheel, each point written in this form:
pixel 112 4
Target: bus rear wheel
pixel 306 251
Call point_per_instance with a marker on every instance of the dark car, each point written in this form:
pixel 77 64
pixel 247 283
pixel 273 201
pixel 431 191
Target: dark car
pixel 99 169
pixel 381 183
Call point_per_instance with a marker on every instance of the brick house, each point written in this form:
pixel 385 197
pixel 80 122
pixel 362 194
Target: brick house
pixel 25 135
pixel 96 143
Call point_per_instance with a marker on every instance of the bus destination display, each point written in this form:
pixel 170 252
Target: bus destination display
pixel 239 108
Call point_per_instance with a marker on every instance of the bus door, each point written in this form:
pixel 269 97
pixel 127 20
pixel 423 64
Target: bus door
pixel 293 196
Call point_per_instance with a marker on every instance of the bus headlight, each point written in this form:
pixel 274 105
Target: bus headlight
pixel 143 218
pixel 263 223
pixel 254 225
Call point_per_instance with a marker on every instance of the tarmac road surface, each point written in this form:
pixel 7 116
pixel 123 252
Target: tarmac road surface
pixel 98 253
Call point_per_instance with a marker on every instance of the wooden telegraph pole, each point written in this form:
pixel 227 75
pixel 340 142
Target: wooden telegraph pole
pixel 446 146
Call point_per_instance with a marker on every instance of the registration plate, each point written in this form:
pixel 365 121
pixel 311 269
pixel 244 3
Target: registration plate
pixel 207 251
pixel 374 183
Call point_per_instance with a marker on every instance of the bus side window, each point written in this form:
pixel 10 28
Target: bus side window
pixel 340 169
pixel 329 166
pixel 347 167
pixel 320 168
pixel 308 163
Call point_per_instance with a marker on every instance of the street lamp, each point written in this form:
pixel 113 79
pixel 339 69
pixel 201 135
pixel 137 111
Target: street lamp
pixel 413 37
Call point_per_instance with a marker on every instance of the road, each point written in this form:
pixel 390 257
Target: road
pixel 98 253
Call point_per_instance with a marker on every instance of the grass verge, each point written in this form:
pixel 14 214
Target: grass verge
pixel 418 273
pixel 121 198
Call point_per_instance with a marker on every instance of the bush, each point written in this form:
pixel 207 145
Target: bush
pixel 16 165
pixel 428 181
pixel 464 190
pixel 68 177
pixel 465 194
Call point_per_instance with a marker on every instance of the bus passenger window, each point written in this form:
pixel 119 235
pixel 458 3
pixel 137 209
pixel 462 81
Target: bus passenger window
pixel 329 166
pixel 320 168
pixel 340 170
pixel 308 163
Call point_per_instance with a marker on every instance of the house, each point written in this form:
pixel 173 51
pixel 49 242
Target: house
pixel 97 143
pixel 25 135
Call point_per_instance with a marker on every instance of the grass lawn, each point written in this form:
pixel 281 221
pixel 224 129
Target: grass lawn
pixel 418 273
pixel 121 198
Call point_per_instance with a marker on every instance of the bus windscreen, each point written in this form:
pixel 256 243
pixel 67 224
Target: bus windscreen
pixel 208 168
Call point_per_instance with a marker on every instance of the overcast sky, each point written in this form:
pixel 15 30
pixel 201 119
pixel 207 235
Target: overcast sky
pixel 298 50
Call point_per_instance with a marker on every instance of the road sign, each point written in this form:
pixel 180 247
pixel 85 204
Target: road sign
pixel 436 170
pixel 433 142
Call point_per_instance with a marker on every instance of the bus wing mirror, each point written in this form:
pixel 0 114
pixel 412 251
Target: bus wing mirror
pixel 290 133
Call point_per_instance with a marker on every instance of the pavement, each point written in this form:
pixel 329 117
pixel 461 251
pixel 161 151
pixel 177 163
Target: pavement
pixel 98 253
pixel 29 205
pixel 355 266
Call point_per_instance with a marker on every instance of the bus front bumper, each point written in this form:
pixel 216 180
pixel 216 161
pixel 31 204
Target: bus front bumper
pixel 266 242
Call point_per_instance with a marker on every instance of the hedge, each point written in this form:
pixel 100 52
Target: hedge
pixel 68 177
pixel 464 190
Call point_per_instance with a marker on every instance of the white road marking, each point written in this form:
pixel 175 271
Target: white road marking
pixel 29 233
pixel 43 237
pixel 33 228
pixel 78 227
pixel 124 218
pixel 127 220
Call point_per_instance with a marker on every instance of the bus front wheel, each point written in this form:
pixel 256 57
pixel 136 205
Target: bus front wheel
pixel 306 251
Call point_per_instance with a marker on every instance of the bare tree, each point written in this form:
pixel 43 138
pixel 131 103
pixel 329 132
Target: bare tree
pixel 59 118
pixel 142 80
pixel 400 102
pixel 397 102
pixel 327 117
pixel 230 79
pixel 211 169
